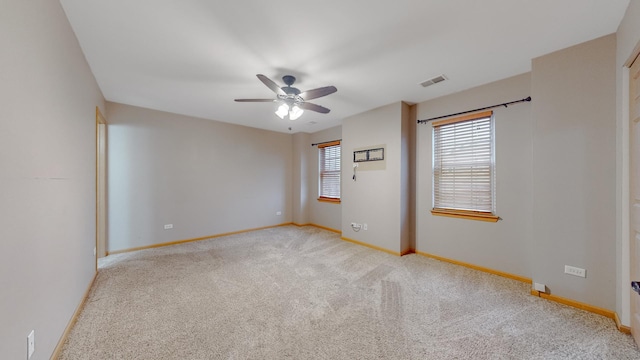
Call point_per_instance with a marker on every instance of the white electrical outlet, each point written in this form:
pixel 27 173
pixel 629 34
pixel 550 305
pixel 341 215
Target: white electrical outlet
pixel 575 271
pixel 539 287
pixel 168 226
pixel 278 213
pixel 364 226
pixel 31 343
pixel 94 251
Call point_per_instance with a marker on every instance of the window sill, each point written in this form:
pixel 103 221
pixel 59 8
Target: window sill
pixel 462 214
pixel 329 200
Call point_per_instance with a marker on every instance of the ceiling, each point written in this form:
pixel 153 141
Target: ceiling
pixel 194 57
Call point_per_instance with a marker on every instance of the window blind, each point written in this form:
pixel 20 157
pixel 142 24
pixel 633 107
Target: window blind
pixel 330 170
pixel 463 163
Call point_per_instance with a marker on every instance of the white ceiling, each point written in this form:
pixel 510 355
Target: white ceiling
pixel 194 57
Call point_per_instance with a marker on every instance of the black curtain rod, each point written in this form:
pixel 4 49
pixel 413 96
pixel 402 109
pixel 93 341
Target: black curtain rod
pixel 326 142
pixel 474 110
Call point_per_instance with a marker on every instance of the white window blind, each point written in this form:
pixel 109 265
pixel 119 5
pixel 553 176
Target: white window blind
pixel 463 163
pixel 330 170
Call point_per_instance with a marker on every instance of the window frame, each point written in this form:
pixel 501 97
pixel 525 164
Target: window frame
pixel 321 154
pixel 460 212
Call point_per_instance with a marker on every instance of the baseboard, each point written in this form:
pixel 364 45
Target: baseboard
pixel 407 252
pixel 319 227
pixel 72 321
pixel 569 302
pixel 586 307
pixel 358 242
pixel 193 239
pixel 371 246
pixel 476 267
pixel 623 328
pixel 576 304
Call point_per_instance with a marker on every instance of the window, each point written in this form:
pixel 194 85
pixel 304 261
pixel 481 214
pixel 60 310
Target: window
pixel 463 167
pixel 329 171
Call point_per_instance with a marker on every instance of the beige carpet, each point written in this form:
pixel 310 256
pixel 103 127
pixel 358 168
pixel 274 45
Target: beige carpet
pixel 302 293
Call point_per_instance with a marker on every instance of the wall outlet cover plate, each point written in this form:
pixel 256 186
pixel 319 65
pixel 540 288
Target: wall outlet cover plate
pixel 31 343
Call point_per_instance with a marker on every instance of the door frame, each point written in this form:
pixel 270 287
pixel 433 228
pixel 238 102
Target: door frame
pixel 101 186
pixel 628 233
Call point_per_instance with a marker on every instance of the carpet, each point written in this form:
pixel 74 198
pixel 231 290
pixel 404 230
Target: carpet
pixel 302 293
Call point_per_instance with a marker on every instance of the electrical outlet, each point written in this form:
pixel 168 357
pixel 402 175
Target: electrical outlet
pixel 94 251
pixel 356 227
pixel 168 226
pixel 31 343
pixel 575 271
pixel 364 226
pixel 278 213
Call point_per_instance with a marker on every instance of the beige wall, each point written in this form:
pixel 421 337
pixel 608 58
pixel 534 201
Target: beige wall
pixel 301 180
pixel 47 152
pixel 202 176
pixel 503 245
pixel 555 176
pixel 574 167
pixel 325 214
pixel 376 196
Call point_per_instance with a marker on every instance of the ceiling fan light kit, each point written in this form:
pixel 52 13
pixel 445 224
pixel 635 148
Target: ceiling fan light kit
pixel 292 100
pixel 294 113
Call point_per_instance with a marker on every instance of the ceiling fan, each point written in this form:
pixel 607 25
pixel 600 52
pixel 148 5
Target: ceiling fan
pixel 293 102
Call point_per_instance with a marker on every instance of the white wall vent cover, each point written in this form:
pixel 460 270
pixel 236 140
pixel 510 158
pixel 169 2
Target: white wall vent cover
pixel 435 80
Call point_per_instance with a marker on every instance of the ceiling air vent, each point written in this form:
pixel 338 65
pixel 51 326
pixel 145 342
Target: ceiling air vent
pixel 435 80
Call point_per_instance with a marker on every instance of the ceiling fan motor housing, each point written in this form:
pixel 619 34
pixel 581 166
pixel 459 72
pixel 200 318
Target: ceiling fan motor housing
pixel 289 80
